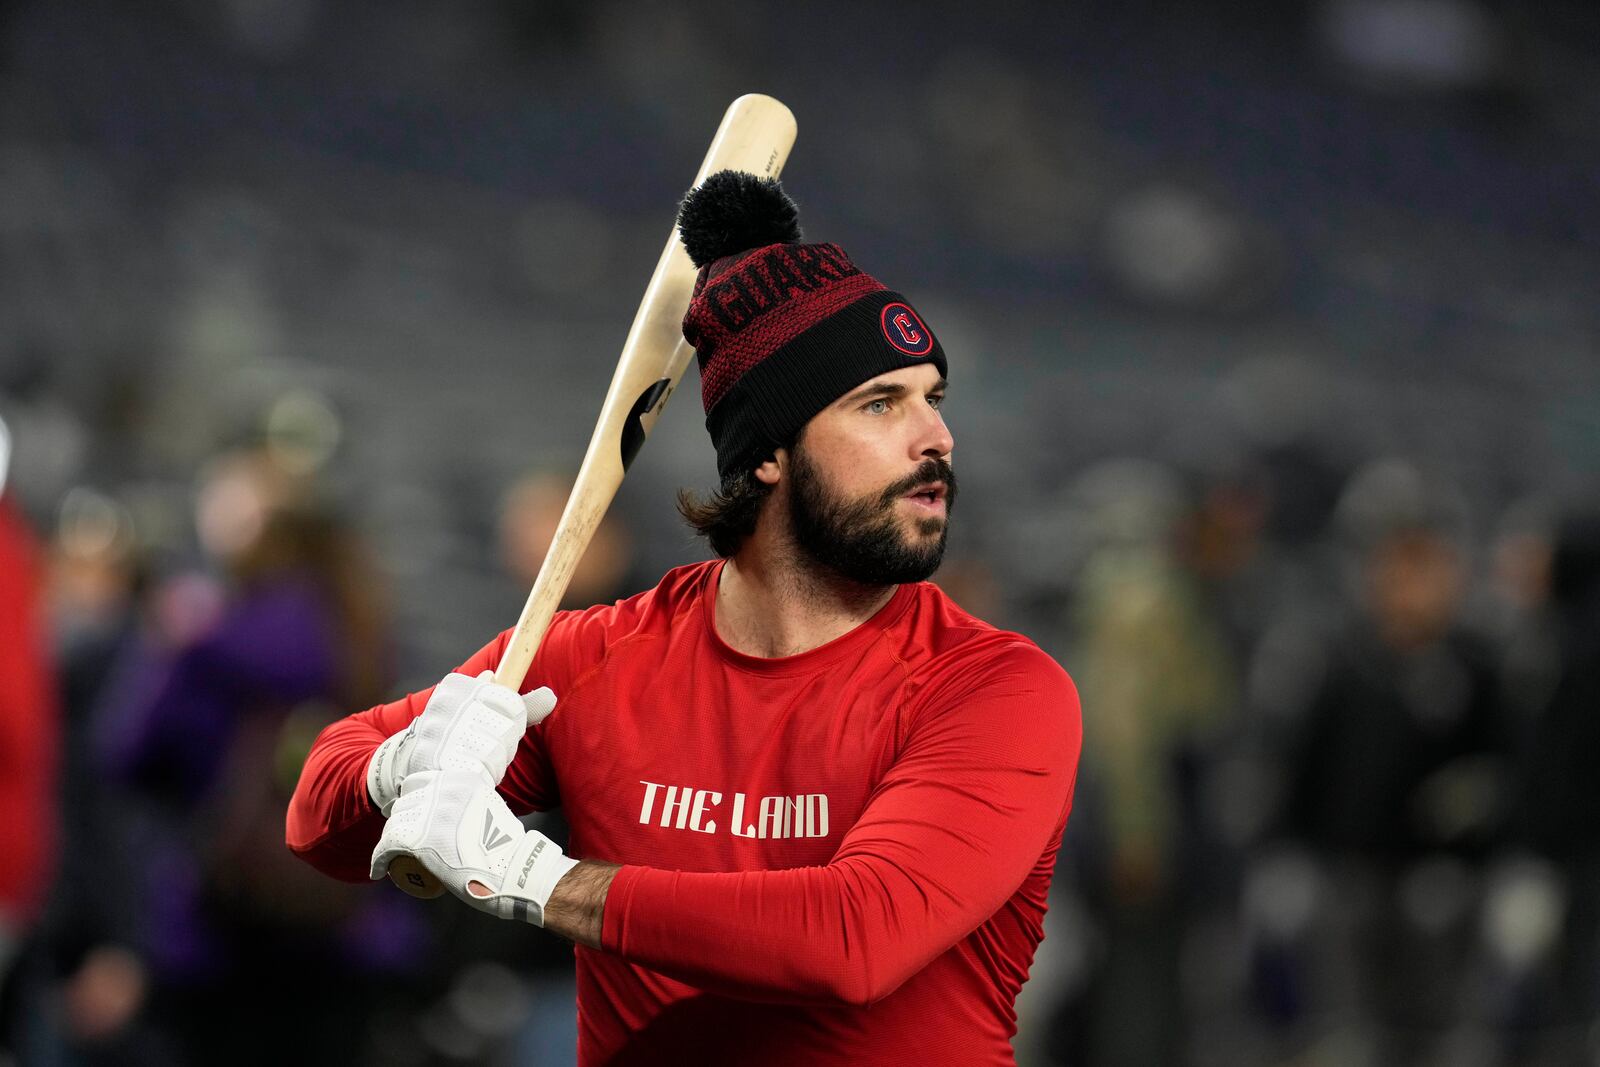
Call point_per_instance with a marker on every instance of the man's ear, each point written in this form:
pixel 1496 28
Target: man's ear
pixel 772 468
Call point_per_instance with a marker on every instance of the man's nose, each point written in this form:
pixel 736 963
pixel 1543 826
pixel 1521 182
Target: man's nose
pixel 935 439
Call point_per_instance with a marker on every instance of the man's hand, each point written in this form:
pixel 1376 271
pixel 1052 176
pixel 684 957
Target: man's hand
pixel 470 724
pixel 463 832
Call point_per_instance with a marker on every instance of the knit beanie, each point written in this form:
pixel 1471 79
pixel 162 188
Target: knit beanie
pixel 781 329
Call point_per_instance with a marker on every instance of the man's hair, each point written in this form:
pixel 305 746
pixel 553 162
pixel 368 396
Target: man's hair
pixel 727 517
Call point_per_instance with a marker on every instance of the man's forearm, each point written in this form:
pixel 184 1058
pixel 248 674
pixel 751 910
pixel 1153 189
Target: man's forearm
pixel 332 823
pixel 578 902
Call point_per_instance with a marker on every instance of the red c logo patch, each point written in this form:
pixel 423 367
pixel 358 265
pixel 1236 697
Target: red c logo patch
pixel 904 330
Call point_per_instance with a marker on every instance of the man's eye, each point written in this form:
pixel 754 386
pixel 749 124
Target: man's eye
pixel 877 407
pixel 936 400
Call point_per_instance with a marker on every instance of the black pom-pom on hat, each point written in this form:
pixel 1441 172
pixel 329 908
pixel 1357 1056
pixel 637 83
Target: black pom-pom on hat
pixel 732 211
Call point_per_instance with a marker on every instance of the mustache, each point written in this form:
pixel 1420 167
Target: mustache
pixel 930 470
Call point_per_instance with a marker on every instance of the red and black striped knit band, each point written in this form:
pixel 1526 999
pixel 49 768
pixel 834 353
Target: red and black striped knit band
pixel 781 332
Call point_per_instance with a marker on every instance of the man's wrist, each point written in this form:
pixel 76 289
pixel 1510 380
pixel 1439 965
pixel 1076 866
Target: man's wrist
pixel 577 904
pixel 383 770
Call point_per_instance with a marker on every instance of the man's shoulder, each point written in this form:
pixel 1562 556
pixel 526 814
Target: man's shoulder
pixel 943 638
pixel 651 611
pixel 965 670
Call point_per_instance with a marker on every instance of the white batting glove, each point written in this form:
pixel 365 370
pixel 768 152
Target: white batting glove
pixel 470 724
pixel 463 832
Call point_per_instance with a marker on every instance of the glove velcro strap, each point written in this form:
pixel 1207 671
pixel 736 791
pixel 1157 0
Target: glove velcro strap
pixel 531 876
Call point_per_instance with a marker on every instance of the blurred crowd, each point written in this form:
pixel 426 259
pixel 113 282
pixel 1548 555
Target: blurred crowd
pixel 1335 808
pixel 160 700
pixel 1337 804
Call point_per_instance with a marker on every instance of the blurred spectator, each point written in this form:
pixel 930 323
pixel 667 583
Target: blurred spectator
pixel 28 741
pixel 1278 406
pixel 206 723
pixel 1559 794
pixel 529 514
pixel 1159 672
pixel 1403 722
pixel 1395 780
pixel 99 976
pixel 1159 677
pixel 1554 979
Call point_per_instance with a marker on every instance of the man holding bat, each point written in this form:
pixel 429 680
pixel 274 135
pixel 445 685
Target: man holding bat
pixel 814 805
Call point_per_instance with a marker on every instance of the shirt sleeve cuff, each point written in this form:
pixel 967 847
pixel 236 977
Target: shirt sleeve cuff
pixel 619 902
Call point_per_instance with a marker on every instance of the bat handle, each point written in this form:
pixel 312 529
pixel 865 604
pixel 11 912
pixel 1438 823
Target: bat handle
pixel 407 872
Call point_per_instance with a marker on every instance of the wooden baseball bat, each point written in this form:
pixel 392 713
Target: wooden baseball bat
pixel 755 136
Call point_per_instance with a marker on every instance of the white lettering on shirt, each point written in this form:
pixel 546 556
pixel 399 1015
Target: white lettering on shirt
pixel 683 807
pixel 703 798
pixel 649 800
pixel 680 803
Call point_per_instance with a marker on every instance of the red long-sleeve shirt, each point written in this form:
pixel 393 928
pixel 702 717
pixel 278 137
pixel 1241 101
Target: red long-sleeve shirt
pixel 840 857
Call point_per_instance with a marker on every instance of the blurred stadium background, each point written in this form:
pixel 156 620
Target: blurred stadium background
pixel 1276 364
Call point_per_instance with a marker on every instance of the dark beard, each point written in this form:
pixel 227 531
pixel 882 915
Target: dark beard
pixel 860 540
